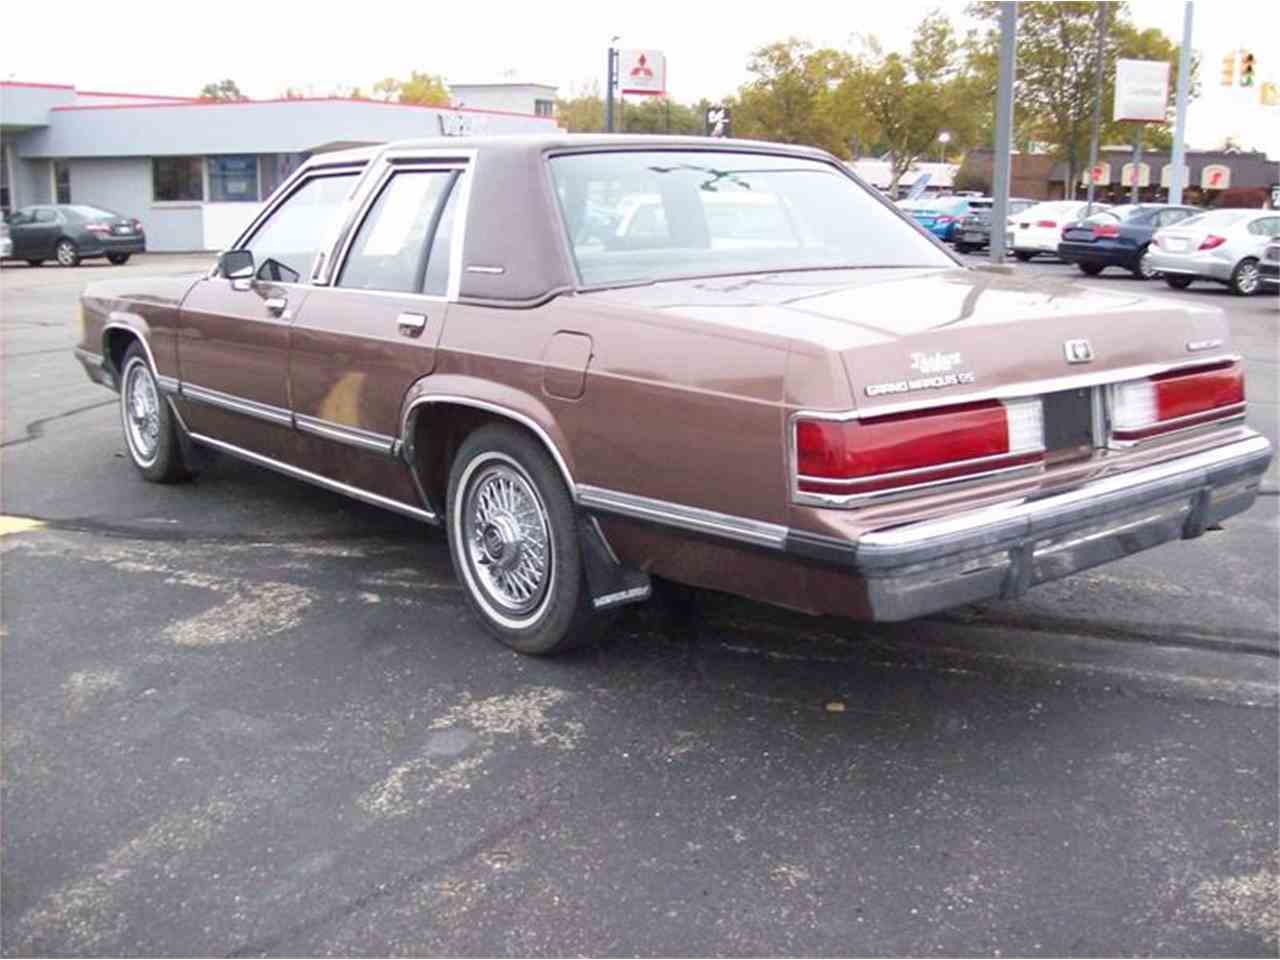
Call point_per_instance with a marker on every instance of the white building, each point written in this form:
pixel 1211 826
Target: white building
pixel 537 99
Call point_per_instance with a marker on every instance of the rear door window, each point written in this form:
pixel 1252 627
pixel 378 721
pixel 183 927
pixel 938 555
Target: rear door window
pixel 393 246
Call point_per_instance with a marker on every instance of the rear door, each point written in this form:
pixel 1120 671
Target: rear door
pixel 363 341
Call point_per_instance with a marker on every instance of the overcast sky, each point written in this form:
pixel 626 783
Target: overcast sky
pixel 158 46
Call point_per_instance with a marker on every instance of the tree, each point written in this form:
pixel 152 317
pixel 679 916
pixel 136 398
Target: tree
pixel 1057 68
pixel 223 90
pixel 583 112
pixel 424 89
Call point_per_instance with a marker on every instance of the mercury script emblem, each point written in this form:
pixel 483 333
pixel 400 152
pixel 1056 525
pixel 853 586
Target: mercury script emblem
pixel 1078 351
pixel 934 362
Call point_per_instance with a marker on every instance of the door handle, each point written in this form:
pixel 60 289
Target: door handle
pixel 411 324
pixel 275 305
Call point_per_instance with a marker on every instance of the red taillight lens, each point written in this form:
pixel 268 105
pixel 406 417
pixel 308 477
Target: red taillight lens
pixel 844 457
pixel 1211 241
pixel 1106 230
pixel 1176 400
pixel 1046 223
pixel 137 226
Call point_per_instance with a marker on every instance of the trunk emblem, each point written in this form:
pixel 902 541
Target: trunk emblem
pixel 1078 351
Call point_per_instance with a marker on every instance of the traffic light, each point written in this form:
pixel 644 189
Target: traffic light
pixel 1229 70
pixel 1246 69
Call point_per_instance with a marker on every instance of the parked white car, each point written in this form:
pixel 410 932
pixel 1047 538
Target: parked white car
pixel 1038 229
pixel 1220 245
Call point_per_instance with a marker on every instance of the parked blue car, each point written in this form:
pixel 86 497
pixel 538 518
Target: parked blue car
pixel 1119 237
pixel 940 216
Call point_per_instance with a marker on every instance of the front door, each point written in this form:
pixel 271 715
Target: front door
pixel 360 344
pixel 34 231
pixel 233 343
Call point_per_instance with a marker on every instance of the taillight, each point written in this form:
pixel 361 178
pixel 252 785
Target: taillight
pixel 1176 400
pixel 1106 230
pixel 1211 241
pixel 1046 223
pixel 137 226
pixel 97 228
pixel 844 457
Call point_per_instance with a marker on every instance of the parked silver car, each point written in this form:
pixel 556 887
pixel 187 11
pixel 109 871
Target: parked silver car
pixel 1221 245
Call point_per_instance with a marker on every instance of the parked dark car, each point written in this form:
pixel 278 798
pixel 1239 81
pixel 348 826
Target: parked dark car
pixel 1119 237
pixel 1269 266
pixel 973 232
pixel 71 232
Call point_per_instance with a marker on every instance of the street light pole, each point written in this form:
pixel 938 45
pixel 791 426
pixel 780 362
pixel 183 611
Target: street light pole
pixel 611 80
pixel 1097 104
pixel 1003 159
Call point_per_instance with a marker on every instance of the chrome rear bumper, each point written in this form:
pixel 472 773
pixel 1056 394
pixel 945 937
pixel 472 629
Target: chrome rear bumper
pixel 1001 551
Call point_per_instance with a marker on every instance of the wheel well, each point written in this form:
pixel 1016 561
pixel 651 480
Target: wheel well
pixel 116 344
pixel 439 431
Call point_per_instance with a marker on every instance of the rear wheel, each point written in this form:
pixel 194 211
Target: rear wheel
pixel 1178 283
pixel 1090 269
pixel 1245 278
pixel 150 428
pixel 67 253
pixel 1023 255
pixel 1143 270
pixel 119 259
pixel 513 537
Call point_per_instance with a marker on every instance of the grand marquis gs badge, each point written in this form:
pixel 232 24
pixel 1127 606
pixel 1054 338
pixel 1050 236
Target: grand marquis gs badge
pixel 937 370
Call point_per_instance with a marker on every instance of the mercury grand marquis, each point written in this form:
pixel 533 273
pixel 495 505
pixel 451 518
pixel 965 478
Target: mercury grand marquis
pixel 597 360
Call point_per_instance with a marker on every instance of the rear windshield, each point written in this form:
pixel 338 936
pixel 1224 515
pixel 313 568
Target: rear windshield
pixel 656 215
pixel 91 213
pixel 1217 218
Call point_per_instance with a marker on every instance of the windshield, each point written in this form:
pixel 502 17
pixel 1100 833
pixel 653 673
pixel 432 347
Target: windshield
pixel 657 215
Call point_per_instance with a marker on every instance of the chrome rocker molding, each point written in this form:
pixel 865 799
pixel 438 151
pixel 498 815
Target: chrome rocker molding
pixel 352 436
pixel 377 499
pixel 1001 551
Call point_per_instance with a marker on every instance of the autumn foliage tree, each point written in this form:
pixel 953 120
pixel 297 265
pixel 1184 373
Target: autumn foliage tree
pixel 424 89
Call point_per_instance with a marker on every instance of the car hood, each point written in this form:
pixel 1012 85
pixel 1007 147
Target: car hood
pixel 155 290
pixel 916 333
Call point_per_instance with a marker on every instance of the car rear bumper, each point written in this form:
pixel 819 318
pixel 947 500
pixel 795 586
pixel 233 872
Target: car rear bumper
pixel 1105 256
pixel 1190 264
pixel 1269 272
pixel 101 246
pixel 1001 551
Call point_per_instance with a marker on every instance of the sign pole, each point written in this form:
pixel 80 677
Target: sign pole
pixel 1003 159
pixel 1136 174
pixel 1097 102
pixel 609 83
pixel 1178 160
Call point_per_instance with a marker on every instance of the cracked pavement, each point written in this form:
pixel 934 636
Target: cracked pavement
pixel 247 717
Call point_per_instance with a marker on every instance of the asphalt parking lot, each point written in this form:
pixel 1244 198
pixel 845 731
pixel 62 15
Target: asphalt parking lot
pixel 246 717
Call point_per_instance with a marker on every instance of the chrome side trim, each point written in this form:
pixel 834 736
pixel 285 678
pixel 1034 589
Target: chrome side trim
pixel 167 384
pixel 411 417
pixel 695 519
pixel 226 401
pixel 1023 388
pixel 297 473
pixel 352 436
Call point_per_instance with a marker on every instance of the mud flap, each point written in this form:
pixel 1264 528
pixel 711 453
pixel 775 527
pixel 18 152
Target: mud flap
pixel 611 584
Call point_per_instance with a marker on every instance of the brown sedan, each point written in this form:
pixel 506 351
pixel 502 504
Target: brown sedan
pixel 725 363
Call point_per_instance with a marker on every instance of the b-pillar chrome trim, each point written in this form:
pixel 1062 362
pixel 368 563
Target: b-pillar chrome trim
pixel 297 473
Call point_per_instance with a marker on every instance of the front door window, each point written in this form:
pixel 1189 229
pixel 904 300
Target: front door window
pixel 285 246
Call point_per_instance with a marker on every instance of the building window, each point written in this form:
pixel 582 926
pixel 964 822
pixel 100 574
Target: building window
pixel 177 179
pixel 544 108
pixel 233 179
pixel 277 168
pixel 61 182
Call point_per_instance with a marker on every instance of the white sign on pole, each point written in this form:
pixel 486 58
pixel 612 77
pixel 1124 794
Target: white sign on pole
pixel 1166 175
pixel 1101 173
pixel 1139 176
pixel 642 72
pixel 1215 176
pixel 1142 91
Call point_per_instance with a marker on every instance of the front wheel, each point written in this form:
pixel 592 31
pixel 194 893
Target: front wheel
pixel 66 253
pixel 1245 278
pixel 513 539
pixel 1143 270
pixel 1177 282
pixel 1090 269
pixel 119 259
pixel 150 428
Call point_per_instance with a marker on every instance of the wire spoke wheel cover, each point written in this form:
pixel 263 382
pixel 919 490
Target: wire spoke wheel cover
pixel 140 410
pixel 509 553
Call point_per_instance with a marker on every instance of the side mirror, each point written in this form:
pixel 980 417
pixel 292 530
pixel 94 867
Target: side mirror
pixel 236 265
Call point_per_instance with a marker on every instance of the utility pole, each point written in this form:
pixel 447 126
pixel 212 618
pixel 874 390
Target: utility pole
pixel 1137 163
pixel 1103 19
pixel 1179 157
pixel 611 81
pixel 1003 160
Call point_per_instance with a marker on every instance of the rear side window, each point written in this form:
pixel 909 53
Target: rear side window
pixel 393 246
pixel 295 232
